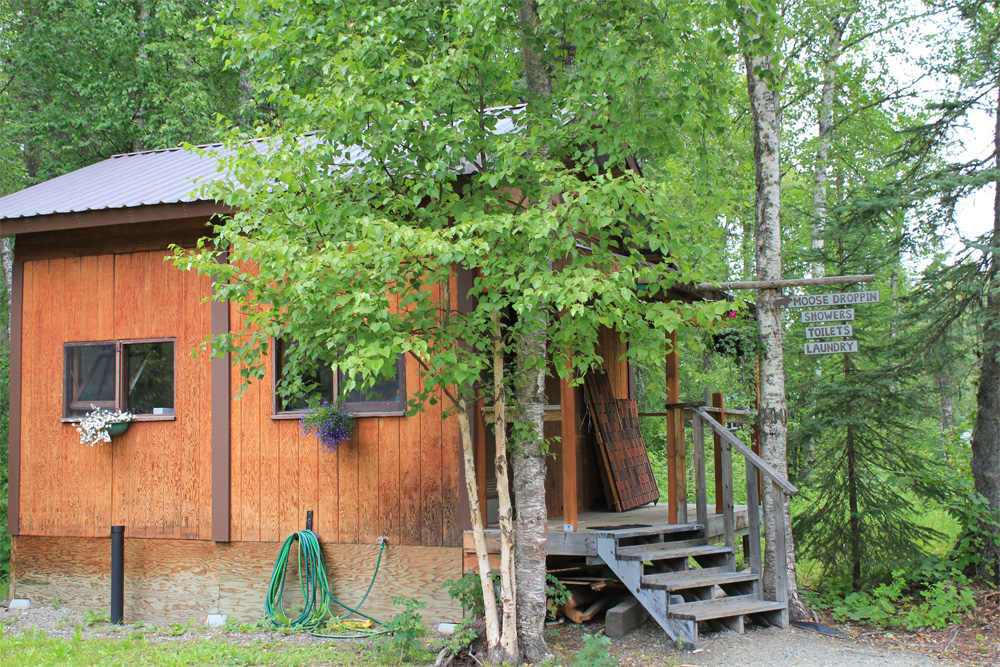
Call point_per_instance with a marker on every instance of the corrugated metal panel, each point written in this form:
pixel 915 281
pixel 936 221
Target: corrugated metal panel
pixel 135 179
pixel 167 176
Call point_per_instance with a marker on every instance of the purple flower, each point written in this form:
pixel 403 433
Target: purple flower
pixel 331 422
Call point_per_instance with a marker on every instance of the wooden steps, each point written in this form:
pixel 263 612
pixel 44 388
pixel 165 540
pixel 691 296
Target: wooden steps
pixel 685 583
pixel 667 529
pixel 678 581
pixel 668 551
pixel 742 605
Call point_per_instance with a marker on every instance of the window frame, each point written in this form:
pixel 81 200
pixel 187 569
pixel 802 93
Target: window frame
pixel 358 409
pixel 120 379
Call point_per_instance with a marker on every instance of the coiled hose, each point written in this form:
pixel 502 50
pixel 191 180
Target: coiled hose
pixel 316 593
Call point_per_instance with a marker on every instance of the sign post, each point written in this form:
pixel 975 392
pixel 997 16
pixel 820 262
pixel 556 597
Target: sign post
pixel 840 314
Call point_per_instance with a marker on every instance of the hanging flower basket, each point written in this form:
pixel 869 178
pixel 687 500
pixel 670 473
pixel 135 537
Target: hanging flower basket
pixel 117 428
pixel 740 337
pixel 99 425
pixel 331 422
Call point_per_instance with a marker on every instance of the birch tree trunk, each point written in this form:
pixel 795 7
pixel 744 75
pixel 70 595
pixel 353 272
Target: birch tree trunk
pixel 773 415
pixel 528 456
pixel 507 650
pixel 823 149
pixel 529 489
pixel 478 535
pixel 986 434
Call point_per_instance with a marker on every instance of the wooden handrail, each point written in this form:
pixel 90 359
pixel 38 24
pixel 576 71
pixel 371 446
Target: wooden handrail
pixel 758 462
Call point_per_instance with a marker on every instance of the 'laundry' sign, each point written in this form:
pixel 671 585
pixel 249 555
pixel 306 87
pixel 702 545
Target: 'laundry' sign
pixel 832 347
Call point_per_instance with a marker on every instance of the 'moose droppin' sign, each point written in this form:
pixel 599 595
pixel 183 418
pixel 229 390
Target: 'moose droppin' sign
pixel 826 300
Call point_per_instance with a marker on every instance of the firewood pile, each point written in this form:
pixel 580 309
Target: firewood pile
pixel 588 592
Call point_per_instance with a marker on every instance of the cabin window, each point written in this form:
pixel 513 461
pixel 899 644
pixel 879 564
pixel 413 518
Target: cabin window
pixel 386 397
pixel 136 376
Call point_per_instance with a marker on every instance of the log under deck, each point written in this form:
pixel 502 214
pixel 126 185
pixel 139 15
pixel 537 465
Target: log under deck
pixel 583 541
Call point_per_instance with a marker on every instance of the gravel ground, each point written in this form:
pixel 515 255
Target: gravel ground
pixel 769 647
pixel 646 646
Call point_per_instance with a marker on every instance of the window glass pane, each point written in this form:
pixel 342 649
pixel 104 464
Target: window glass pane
pixel 150 378
pixel 386 394
pixel 319 376
pixel 88 378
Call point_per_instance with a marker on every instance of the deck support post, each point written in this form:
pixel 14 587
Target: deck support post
pixel 676 471
pixel 753 526
pixel 568 433
pixel 780 564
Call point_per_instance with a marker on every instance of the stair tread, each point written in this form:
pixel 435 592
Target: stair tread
pixel 703 610
pixel 664 529
pixel 675 581
pixel 664 550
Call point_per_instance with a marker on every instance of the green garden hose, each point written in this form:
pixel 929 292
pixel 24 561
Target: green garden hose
pixel 315 592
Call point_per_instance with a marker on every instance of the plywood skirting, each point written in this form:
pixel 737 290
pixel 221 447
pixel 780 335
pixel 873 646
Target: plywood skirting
pixel 168 581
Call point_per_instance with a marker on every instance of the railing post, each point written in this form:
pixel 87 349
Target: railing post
pixel 753 525
pixel 780 561
pixel 718 402
pixel 728 520
pixel 700 492
pixel 676 472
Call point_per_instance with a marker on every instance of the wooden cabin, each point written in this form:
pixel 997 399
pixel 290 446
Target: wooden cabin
pixel 208 486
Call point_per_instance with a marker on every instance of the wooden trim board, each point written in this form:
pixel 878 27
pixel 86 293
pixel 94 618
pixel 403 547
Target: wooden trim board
pixel 14 425
pixel 221 424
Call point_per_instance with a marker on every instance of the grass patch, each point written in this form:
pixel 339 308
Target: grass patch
pixel 35 648
pixel 4 589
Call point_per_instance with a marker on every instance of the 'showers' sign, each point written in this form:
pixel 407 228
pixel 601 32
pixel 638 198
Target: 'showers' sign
pixel 830 331
pixel 838 299
pixel 813 316
pixel 832 347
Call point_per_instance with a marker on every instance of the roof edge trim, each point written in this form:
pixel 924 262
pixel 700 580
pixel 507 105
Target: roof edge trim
pixel 101 218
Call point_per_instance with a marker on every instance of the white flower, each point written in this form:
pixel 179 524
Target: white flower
pixel 93 428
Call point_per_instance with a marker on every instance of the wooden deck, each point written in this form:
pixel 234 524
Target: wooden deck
pixel 583 542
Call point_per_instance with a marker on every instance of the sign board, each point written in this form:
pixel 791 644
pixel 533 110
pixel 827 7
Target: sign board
pixel 827 300
pixel 815 316
pixel 831 347
pixel 830 331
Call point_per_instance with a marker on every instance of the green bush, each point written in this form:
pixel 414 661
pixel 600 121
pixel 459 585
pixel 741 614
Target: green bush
pixel 933 593
pixel 406 632
pixel 595 652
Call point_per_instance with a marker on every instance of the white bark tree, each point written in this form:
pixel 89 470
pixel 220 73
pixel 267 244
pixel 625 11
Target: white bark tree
pixel 773 412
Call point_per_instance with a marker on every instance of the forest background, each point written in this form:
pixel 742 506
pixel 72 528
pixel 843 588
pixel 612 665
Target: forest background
pixel 890 118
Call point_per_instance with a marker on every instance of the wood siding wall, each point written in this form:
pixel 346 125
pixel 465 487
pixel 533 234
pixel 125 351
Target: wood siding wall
pixel 155 479
pixel 399 478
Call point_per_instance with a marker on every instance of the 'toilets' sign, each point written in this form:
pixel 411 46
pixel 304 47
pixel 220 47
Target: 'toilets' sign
pixel 830 331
